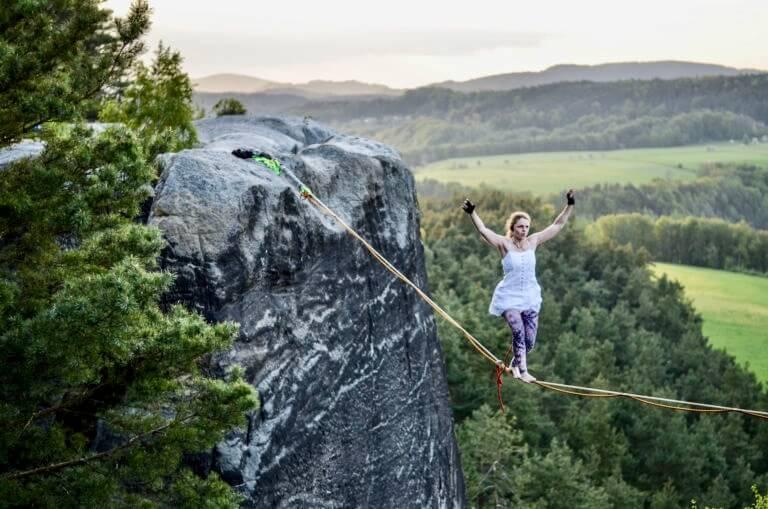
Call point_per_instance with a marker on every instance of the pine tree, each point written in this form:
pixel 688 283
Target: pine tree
pixel 102 392
pixel 491 448
pixel 55 56
pixel 229 106
pixel 157 103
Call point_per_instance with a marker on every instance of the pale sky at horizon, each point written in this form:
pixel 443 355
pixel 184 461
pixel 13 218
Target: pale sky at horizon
pixel 412 43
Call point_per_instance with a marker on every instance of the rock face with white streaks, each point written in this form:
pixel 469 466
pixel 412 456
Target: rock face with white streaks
pixel 355 408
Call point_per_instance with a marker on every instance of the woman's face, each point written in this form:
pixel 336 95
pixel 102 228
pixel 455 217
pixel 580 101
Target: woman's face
pixel 520 228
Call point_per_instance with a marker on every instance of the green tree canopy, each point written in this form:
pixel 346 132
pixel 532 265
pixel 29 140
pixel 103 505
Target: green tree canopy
pixel 492 448
pixel 229 106
pixel 157 103
pixel 102 390
pixel 56 55
pixel 702 242
pixel 606 323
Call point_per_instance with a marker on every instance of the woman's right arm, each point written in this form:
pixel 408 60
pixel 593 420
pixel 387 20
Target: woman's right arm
pixel 488 235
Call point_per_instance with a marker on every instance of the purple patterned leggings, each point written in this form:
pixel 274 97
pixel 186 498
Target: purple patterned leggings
pixel 523 325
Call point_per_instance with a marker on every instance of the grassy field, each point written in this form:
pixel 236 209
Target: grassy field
pixel 734 308
pixel 552 172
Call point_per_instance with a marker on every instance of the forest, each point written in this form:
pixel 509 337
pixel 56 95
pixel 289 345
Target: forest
pixel 605 323
pixel 428 124
pixel 712 243
pixel 726 191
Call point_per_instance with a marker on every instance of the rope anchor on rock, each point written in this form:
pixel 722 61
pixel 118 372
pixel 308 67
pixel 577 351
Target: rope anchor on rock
pixel 274 166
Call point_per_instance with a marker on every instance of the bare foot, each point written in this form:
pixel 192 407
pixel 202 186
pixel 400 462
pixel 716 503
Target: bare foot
pixel 527 377
pixel 514 371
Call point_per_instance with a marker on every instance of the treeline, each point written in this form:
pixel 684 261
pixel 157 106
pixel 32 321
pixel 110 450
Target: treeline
pixel 728 192
pixel 431 123
pixel 605 322
pixel 549 106
pixel 423 139
pixel 712 243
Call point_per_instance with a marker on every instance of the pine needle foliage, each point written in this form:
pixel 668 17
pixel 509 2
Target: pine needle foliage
pixel 103 391
pixel 158 104
pixel 57 55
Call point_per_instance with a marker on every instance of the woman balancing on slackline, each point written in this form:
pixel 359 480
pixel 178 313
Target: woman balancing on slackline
pixel 517 297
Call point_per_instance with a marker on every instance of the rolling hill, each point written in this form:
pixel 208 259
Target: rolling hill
pixel 664 70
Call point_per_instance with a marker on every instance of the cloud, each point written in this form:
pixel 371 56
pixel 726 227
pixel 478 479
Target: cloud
pixel 295 50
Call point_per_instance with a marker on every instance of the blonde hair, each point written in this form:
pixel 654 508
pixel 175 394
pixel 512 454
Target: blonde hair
pixel 514 217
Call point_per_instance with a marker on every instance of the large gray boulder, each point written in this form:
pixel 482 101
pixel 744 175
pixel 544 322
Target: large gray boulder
pixel 355 409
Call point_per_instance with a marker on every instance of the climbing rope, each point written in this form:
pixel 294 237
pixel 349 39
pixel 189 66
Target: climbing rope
pixel 472 340
pixel 671 404
pixel 500 366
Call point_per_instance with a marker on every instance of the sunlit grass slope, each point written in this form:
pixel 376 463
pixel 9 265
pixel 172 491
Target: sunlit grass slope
pixel 734 308
pixel 551 172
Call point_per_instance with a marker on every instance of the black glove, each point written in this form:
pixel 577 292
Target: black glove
pixel 468 206
pixel 243 153
pixel 569 197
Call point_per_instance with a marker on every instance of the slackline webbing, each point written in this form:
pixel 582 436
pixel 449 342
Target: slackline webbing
pixel 575 390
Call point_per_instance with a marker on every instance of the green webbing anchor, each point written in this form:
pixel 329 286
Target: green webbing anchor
pixel 274 166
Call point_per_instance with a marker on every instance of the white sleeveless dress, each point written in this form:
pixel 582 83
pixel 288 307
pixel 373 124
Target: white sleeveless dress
pixel 519 289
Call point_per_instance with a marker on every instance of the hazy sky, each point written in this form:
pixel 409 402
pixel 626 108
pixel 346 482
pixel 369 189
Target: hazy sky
pixel 407 43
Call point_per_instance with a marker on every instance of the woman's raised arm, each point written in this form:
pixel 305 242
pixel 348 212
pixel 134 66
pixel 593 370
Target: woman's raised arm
pixel 488 235
pixel 562 218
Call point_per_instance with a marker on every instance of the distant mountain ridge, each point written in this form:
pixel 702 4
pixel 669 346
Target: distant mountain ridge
pixel 619 71
pixel 238 83
pixel 233 83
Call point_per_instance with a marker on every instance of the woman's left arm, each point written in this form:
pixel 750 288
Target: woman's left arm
pixel 553 229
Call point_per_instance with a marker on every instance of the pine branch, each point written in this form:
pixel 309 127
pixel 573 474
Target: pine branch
pixel 66 403
pixel 109 76
pixel 81 461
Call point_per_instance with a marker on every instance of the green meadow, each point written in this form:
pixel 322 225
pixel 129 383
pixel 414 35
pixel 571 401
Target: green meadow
pixel 551 172
pixel 734 308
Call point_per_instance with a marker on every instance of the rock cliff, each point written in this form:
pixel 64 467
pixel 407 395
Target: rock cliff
pixel 355 409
